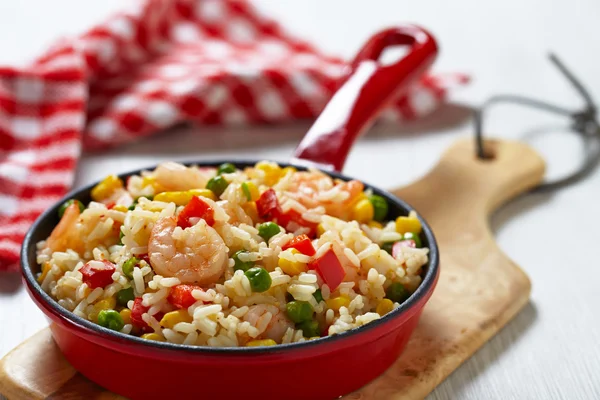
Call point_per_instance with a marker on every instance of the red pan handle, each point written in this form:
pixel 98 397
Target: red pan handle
pixel 365 91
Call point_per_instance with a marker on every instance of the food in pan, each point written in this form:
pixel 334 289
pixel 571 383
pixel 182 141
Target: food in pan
pixel 227 256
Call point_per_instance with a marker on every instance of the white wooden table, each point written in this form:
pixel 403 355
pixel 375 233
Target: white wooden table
pixel 552 349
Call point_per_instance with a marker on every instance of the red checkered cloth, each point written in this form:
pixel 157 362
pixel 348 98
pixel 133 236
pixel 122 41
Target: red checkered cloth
pixel 145 69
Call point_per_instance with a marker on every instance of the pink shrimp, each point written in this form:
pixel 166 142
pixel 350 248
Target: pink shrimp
pixel 65 235
pixel 277 323
pixel 193 255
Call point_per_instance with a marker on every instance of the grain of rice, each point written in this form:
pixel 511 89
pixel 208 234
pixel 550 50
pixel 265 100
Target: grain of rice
pixel 352 257
pixel 329 314
pixel 325 292
pixel 184 327
pixel 173 336
pixel 127 328
pixel 322 250
pixel 138 280
pixel 371 250
pixel 389 237
pixel 206 310
pixel 95 294
pixel 191 338
pixel 169 282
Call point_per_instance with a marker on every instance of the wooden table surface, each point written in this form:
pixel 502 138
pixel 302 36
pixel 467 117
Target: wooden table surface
pixel 551 350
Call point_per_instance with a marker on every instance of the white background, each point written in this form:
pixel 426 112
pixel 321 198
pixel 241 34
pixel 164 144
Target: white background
pixel 552 348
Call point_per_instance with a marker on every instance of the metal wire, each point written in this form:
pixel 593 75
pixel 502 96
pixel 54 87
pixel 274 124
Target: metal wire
pixel 583 123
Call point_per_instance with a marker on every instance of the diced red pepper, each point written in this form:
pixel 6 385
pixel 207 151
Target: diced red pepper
pixel 302 243
pixel 136 315
pixel 330 269
pixel 97 273
pixel 397 247
pixel 267 205
pixel 111 205
pixel 294 216
pixel 181 295
pixel 196 208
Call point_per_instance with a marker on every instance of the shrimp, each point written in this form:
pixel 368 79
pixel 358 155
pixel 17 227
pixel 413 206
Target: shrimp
pixel 193 255
pixel 65 235
pixel 276 327
pixel 174 176
pixel 314 189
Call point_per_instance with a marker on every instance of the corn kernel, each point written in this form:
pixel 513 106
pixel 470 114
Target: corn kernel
pixel 384 307
pixel 320 230
pixel 254 194
pixel 287 170
pixel 153 336
pixel 338 302
pixel 120 208
pixel 172 318
pixel 292 268
pixel 46 267
pixel 375 224
pixel 408 224
pixel 106 188
pixel 182 198
pixel 250 209
pixel 363 211
pixel 203 193
pixel 126 315
pixel 265 342
pixel 272 172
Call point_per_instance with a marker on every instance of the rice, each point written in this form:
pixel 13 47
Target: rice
pixel 195 289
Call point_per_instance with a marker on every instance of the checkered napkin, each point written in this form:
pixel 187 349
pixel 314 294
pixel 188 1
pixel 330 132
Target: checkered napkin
pixel 159 63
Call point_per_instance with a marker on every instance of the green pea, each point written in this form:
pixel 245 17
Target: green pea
pixel 63 207
pixel 387 246
pixel 124 295
pixel 268 230
pixel 121 234
pixel 128 267
pixel 246 190
pixel 226 168
pixel 110 319
pixel 414 237
pixel 380 207
pixel 243 265
pixel 217 185
pixel 132 206
pixel 260 280
pixel 397 293
pixel 309 328
pixel 299 311
pixel 318 296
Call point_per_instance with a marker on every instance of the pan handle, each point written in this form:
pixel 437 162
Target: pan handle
pixel 364 92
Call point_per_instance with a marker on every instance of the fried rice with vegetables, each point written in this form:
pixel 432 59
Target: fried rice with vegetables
pixel 229 257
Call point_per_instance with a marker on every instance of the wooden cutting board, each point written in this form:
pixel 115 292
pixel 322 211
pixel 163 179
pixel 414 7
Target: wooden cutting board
pixel 479 289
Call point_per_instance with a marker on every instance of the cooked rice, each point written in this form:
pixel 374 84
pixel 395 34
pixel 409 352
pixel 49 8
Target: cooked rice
pixel 226 310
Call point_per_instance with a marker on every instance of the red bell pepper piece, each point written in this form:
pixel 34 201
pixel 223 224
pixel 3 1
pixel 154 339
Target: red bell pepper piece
pixel 196 208
pixel 181 296
pixel 97 273
pixel 330 269
pixel 267 205
pixel 396 248
pixel 302 243
pixel 136 315
pixel 294 216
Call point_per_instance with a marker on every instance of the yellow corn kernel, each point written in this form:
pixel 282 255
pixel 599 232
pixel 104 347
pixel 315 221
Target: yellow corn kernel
pixel 126 315
pixel 153 336
pixel 408 224
pixel 320 230
pixel 272 172
pixel 120 208
pixel 292 268
pixel 265 342
pixel 46 267
pixel 106 188
pixel 172 318
pixel 182 198
pixel 363 211
pixel 203 193
pixel 250 209
pixel 287 170
pixel 375 224
pixel 338 302
pixel 254 194
pixel 384 307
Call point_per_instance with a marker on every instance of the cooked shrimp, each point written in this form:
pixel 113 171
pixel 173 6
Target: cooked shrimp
pixel 174 176
pixel 277 324
pixel 313 189
pixel 65 235
pixel 193 255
